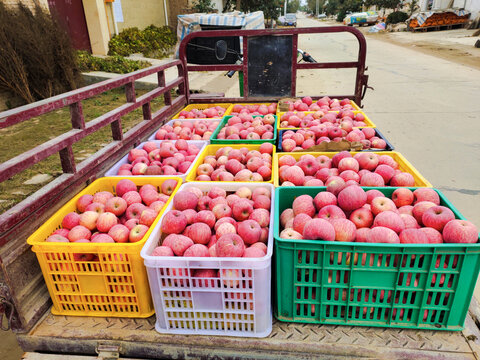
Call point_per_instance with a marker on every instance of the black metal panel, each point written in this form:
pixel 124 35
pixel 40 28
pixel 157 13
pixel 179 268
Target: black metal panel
pixel 270 65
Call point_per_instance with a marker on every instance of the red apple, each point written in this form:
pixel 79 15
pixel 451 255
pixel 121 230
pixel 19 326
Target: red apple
pixel 437 217
pixel 174 222
pixel 197 250
pixel 147 217
pixel 116 205
pixel 200 233
pixel 323 199
pixel 286 215
pixel 402 197
pixel 79 232
pixel 168 186
pixel 361 235
pixel 89 219
pixel 71 220
pixel 380 204
pixel 124 186
pixel 185 200
pixel 162 251
pixel 119 233
pixel 426 194
pixel 362 218
pixel 409 221
pixel 137 233
pixel 57 238
pixel 289 233
pixel 460 231
pixel 319 229
pixel 330 212
pixel 134 211
pixel 420 208
pixel 250 231
pixel 345 230
pixel 434 237
pixel 382 234
pixel 179 244
pixel 241 210
pixel 351 198
pixel 83 201
pixel 413 236
pixel 390 220
pixel 230 245
pixel 303 204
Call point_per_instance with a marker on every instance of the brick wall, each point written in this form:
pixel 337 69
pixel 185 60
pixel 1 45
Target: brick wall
pixel 176 8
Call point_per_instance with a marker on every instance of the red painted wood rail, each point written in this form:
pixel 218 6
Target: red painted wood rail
pixel 361 80
pixel 74 174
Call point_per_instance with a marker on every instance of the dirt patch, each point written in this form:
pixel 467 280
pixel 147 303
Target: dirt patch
pixel 452 45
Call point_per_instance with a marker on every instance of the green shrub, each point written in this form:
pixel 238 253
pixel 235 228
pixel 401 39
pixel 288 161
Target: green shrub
pixel 203 6
pixel 397 17
pixel 115 64
pixel 153 41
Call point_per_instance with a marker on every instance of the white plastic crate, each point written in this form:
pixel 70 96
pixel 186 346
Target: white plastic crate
pixel 197 306
pixel 152 137
pixel 113 171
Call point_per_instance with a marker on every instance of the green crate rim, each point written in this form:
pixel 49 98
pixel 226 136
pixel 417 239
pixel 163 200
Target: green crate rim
pixel 443 200
pixel 214 140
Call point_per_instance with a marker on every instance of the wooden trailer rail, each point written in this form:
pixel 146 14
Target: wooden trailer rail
pixel 22 219
pixel 361 79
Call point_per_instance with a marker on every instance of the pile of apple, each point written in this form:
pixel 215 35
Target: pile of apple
pixel 248 127
pixel 208 113
pixel 242 164
pixel 368 216
pixel 254 109
pixel 108 218
pixel 342 170
pixel 216 223
pixel 323 104
pixel 166 158
pixel 344 119
pixel 305 138
pixel 186 130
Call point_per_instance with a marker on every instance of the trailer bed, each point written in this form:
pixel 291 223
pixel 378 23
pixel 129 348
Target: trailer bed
pixel 137 338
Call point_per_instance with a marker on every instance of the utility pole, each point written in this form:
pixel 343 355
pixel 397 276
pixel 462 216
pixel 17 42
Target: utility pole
pixel 285 8
pixel 316 8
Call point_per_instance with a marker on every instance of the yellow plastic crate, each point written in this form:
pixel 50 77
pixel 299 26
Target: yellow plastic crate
pixel 368 122
pixel 212 149
pixel 403 164
pixel 114 283
pixel 226 106
pixel 243 104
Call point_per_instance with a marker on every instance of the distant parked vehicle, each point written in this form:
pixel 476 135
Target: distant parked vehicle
pixel 290 20
pixel 322 16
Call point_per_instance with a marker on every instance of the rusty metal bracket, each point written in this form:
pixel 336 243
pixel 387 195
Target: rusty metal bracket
pixel 365 85
pixel 6 308
pixel 108 351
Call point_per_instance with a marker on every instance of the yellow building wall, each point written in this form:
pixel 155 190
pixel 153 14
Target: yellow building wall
pixel 142 13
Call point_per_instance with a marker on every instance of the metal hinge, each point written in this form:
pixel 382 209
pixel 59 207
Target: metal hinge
pixel 108 351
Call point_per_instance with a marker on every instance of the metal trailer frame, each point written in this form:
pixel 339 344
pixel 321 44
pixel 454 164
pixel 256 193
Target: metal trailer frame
pixel 22 289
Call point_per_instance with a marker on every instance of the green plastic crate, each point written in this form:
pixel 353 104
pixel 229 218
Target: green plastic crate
pixel 214 140
pixel 386 285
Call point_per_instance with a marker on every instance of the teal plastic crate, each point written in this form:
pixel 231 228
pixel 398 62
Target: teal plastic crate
pixel 214 140
pixel 415 286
